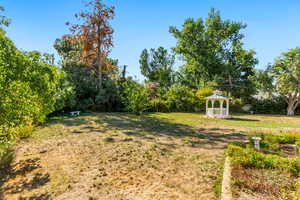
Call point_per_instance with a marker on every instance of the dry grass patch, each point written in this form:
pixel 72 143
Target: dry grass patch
pixel 117 156
pixel 262 184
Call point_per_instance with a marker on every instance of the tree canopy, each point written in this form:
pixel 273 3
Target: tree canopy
pixel 157 66
pixel 95 37
pixel 213 51
pixel 283 77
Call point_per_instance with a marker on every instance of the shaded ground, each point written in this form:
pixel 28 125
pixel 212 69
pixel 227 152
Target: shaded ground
pixel 121 156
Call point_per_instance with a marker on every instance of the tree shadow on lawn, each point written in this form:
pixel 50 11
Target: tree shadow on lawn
pixel 243 119
pixel 149 127
pixel 22 168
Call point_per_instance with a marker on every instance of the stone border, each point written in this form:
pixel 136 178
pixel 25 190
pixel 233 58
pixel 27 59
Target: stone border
pixel 226 189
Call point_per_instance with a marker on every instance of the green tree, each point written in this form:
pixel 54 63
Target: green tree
pixel 157 66
pixel 285 78
pixel 84 79
pixel 213 51
pixel 29 88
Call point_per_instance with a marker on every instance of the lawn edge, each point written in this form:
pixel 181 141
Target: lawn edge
pixel 226 189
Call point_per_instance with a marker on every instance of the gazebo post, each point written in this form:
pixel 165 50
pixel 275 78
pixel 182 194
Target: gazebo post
pixel 221 108
pixel 227 107
pixel 212 107
pixel 207 106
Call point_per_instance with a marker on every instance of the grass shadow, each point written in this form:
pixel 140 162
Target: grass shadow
pixel 243 119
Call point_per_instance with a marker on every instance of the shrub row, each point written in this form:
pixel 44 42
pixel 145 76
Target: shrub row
pixel 250 158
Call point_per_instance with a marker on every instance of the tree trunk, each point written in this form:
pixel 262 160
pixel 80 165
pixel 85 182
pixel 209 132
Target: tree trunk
pixel 290 111
pixel 99 73
pixel 292 105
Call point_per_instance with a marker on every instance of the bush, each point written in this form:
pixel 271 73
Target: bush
pixel 159 105
pixel 250 158
pixel 136 97
pixel 201 94
pixel 6 154
pixel 275 105
pixel 236 105
pixel 29 88
pixel 282 138
pixel 181 98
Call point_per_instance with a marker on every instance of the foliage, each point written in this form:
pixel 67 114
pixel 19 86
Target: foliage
pixel 273 141
pixel 284 78
pixel 180 98
pixel 275 105
pixel 135 97
pixel 6 154
pixel 201 94
pixel 84 80
pixel 29 88
pixel 157 65
pixel 247 157
pixel 4 21
pixel 212 50
pixel 95 37
pixel 159 105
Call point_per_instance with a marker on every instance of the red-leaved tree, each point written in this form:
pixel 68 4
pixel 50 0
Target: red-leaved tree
pixel 95 35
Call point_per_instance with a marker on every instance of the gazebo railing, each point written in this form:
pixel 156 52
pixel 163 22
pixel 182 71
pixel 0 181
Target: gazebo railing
pixel 211 112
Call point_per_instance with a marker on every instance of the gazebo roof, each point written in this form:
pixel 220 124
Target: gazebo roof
pixel 217 95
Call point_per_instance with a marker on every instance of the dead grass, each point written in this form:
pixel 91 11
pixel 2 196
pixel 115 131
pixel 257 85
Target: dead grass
pixel 122 156
pixel 262 184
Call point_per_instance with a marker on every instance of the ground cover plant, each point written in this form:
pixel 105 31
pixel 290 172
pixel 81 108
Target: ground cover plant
pixel 271 173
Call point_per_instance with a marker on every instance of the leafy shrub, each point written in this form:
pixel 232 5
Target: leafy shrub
pixel 280 138
pixel 29 88
pixel 136 97
pixel 272 141
pixel 250 158
pixel 158 105
pixel 181 98
pixel 201 94
pixel 6 154
pixel 275 105
pixel 236 105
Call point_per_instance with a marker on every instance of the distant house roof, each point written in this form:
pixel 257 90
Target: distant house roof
pixel 217 95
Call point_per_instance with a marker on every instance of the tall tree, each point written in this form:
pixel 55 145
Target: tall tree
pixel 212 50
pixel 95 36
pixel 157 66
pixel 285 78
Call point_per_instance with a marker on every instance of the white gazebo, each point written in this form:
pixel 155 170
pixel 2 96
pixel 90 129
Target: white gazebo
pixel 220 112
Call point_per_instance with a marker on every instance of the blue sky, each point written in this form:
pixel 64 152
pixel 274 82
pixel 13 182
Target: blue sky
pixel 273 25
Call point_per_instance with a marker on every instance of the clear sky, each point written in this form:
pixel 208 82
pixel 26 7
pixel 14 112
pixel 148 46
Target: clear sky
pixel 273 25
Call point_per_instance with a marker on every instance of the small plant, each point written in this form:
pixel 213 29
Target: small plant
pixel 6 154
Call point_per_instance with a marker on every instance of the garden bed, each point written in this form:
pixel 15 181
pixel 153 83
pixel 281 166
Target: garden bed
pixel 270 173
